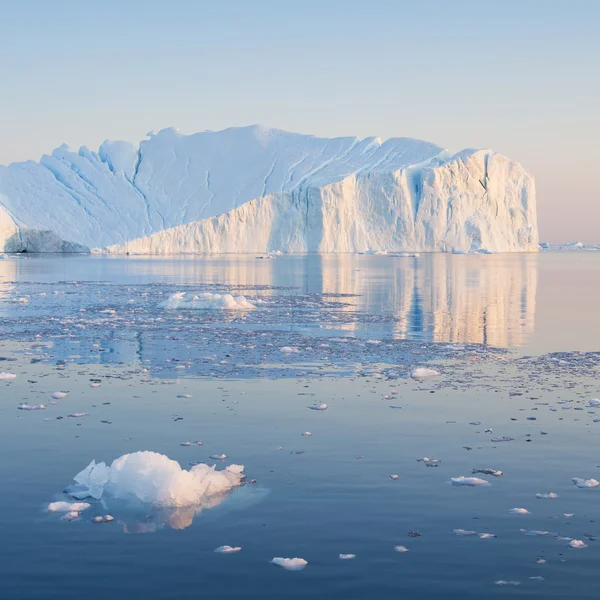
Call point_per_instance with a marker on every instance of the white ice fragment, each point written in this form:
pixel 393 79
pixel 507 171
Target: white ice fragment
pixel 423 373
pixel 156 479
pixel 227 549
pixel 519 511
pixel 548 495
pixel 78 415
pixel 594 402
pixel 578 544
pixel 585 483
pixel 207 300
pixel 289 350
pixel 502 438
pixel 59 395
pixel 400 548
pixel 394 477
pixel 318 407
pixel 487 536
pixel 347 556
pixel 537 578
pixel 103 519
pixel 468 481
pixel 71 516
pixel 290 564
pixel 7 376
pixel 534 532
pixel 505 582
pixel 94 385
pixel 27 406
pixel 218 456
pixel 463 532
pixel 307 434
pixel 68 506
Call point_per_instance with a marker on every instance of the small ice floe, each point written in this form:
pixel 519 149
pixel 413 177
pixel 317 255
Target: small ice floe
pixel 307 434
pixel 541 561
pixel 537 578
pixel 578 544
pixel 347 556
pixel 290 564
pixel 429 462
pixel 318 407
pixel 594 402
pixel 519 511
pixel 464 532
pixel 585 483
pixel 289 350
pixel 414 534
pixel 534 532
pixel 423 373
pixel 77 491
pixel 395 406
pixel 218 456
pixel 7 376
pixel 502 438
pixel 492 472
pixel 185 444
pixel 487 536
pixel 27 406
pixel 59 395
pixel 394 477
pixel 468 481
pixel 71 516
pixel 103 519
pixel 400 548
pixel 68 506
pixel 548 495
pixel 187 396
pixel 207 300
pixel 78 415
pixel 95 385
pixel 228 549
pixel 568 515
pixel 505 582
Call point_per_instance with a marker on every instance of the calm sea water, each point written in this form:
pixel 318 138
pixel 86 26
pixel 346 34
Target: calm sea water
pixel 513 336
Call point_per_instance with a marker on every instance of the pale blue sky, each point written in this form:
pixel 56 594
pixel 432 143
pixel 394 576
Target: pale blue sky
pixel 521 77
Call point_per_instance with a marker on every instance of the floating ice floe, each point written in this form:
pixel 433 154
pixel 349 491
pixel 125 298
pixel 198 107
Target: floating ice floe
pixel 289 350
pixel 218 456
pixel 27 406
pixel 7 376
pixel 423 373
pixel 78 415
pixel 492 472
pixel 578 544
pixel 519 511
pixel 594 402
pixel 71 516
pixel 400 548
pixel 207 300
pixel 228 549
pixel 464 532
pixel 290 564
pixel 548 495
pixel 585 483
pixel 156 479
pixel 505 582
pixel 307 434
pixel 534 532
pixel 318 407
pixel 347 556
pixel 103 519
pixel 487 536
pixel 429 462
pixel 59 395
pixel 68 506
pixel 468 481
pixel 502 438
pixel 394 477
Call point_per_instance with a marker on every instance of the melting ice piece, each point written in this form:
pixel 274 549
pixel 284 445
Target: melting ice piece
pixel 71 516
pixel 27 406
pixel 7 376
pixel 548 495
pixel 289 350
pixel 429 462
pixel 534 532
pixel 585 483
pixel 505 582
pixel 103 519
pixel 291 564
pixel 347 556
pixel 519 511
pixel 400 548
pixel 228 549
pixel 59 395
pixel 577 544
pixel 206 301
pixel 463 532
pixel 307 434
pixel 68 506
pixel 77 491
pixel 502 438
pixel 492 472
pixel 487 536
pixel 423 373
pixel 468 481
pixel 156 479
pixel 594 402
pixel 78 415
pixel 218 456
pixel 394 477
pixel 318 407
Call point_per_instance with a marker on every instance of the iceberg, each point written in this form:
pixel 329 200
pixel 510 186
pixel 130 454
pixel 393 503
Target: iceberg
pixel 263 191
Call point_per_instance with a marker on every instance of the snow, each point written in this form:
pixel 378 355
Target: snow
pixel 260 190
pixel 291 564
pixel 156 479
pixel 207 300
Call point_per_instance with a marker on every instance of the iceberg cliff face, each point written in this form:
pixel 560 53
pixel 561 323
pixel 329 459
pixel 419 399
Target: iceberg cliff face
pixel 255 189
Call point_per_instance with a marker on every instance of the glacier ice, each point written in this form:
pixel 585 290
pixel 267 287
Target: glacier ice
pixel 290 564
pixel 179 300
pixel 260 190
pixel 154 478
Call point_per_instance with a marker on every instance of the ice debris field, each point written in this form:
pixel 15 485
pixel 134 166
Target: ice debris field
pixel 260 190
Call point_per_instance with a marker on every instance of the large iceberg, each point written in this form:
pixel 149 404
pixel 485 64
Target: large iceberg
pixel 255 189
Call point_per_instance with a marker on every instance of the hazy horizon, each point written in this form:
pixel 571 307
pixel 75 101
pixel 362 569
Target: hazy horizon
pixel 520 79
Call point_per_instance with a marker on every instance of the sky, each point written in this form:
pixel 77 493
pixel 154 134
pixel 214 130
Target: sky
pixel 520 77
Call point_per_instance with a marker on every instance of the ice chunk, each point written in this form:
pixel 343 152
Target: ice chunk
pixel 7 376
pixel 534 532
pixel 577 544
pixel 27 406
pixel 227 549
pixel 487 536
pixel 77 491
pixel 347 556
pixel 505 582
pixel 548 495
pixel 59 395
pixel 423 373
pixel 585 483
pixel 289 350
pixel 205 301
pixel 502 439
pixel 463 532
pixel 103 519
pixel 318 407
pixel 68 506
pixel 400 548
pixel 492 472
pixel 519 511
pixel 594 402
pixel 468 481
pixel 156 479
pixel 291 564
